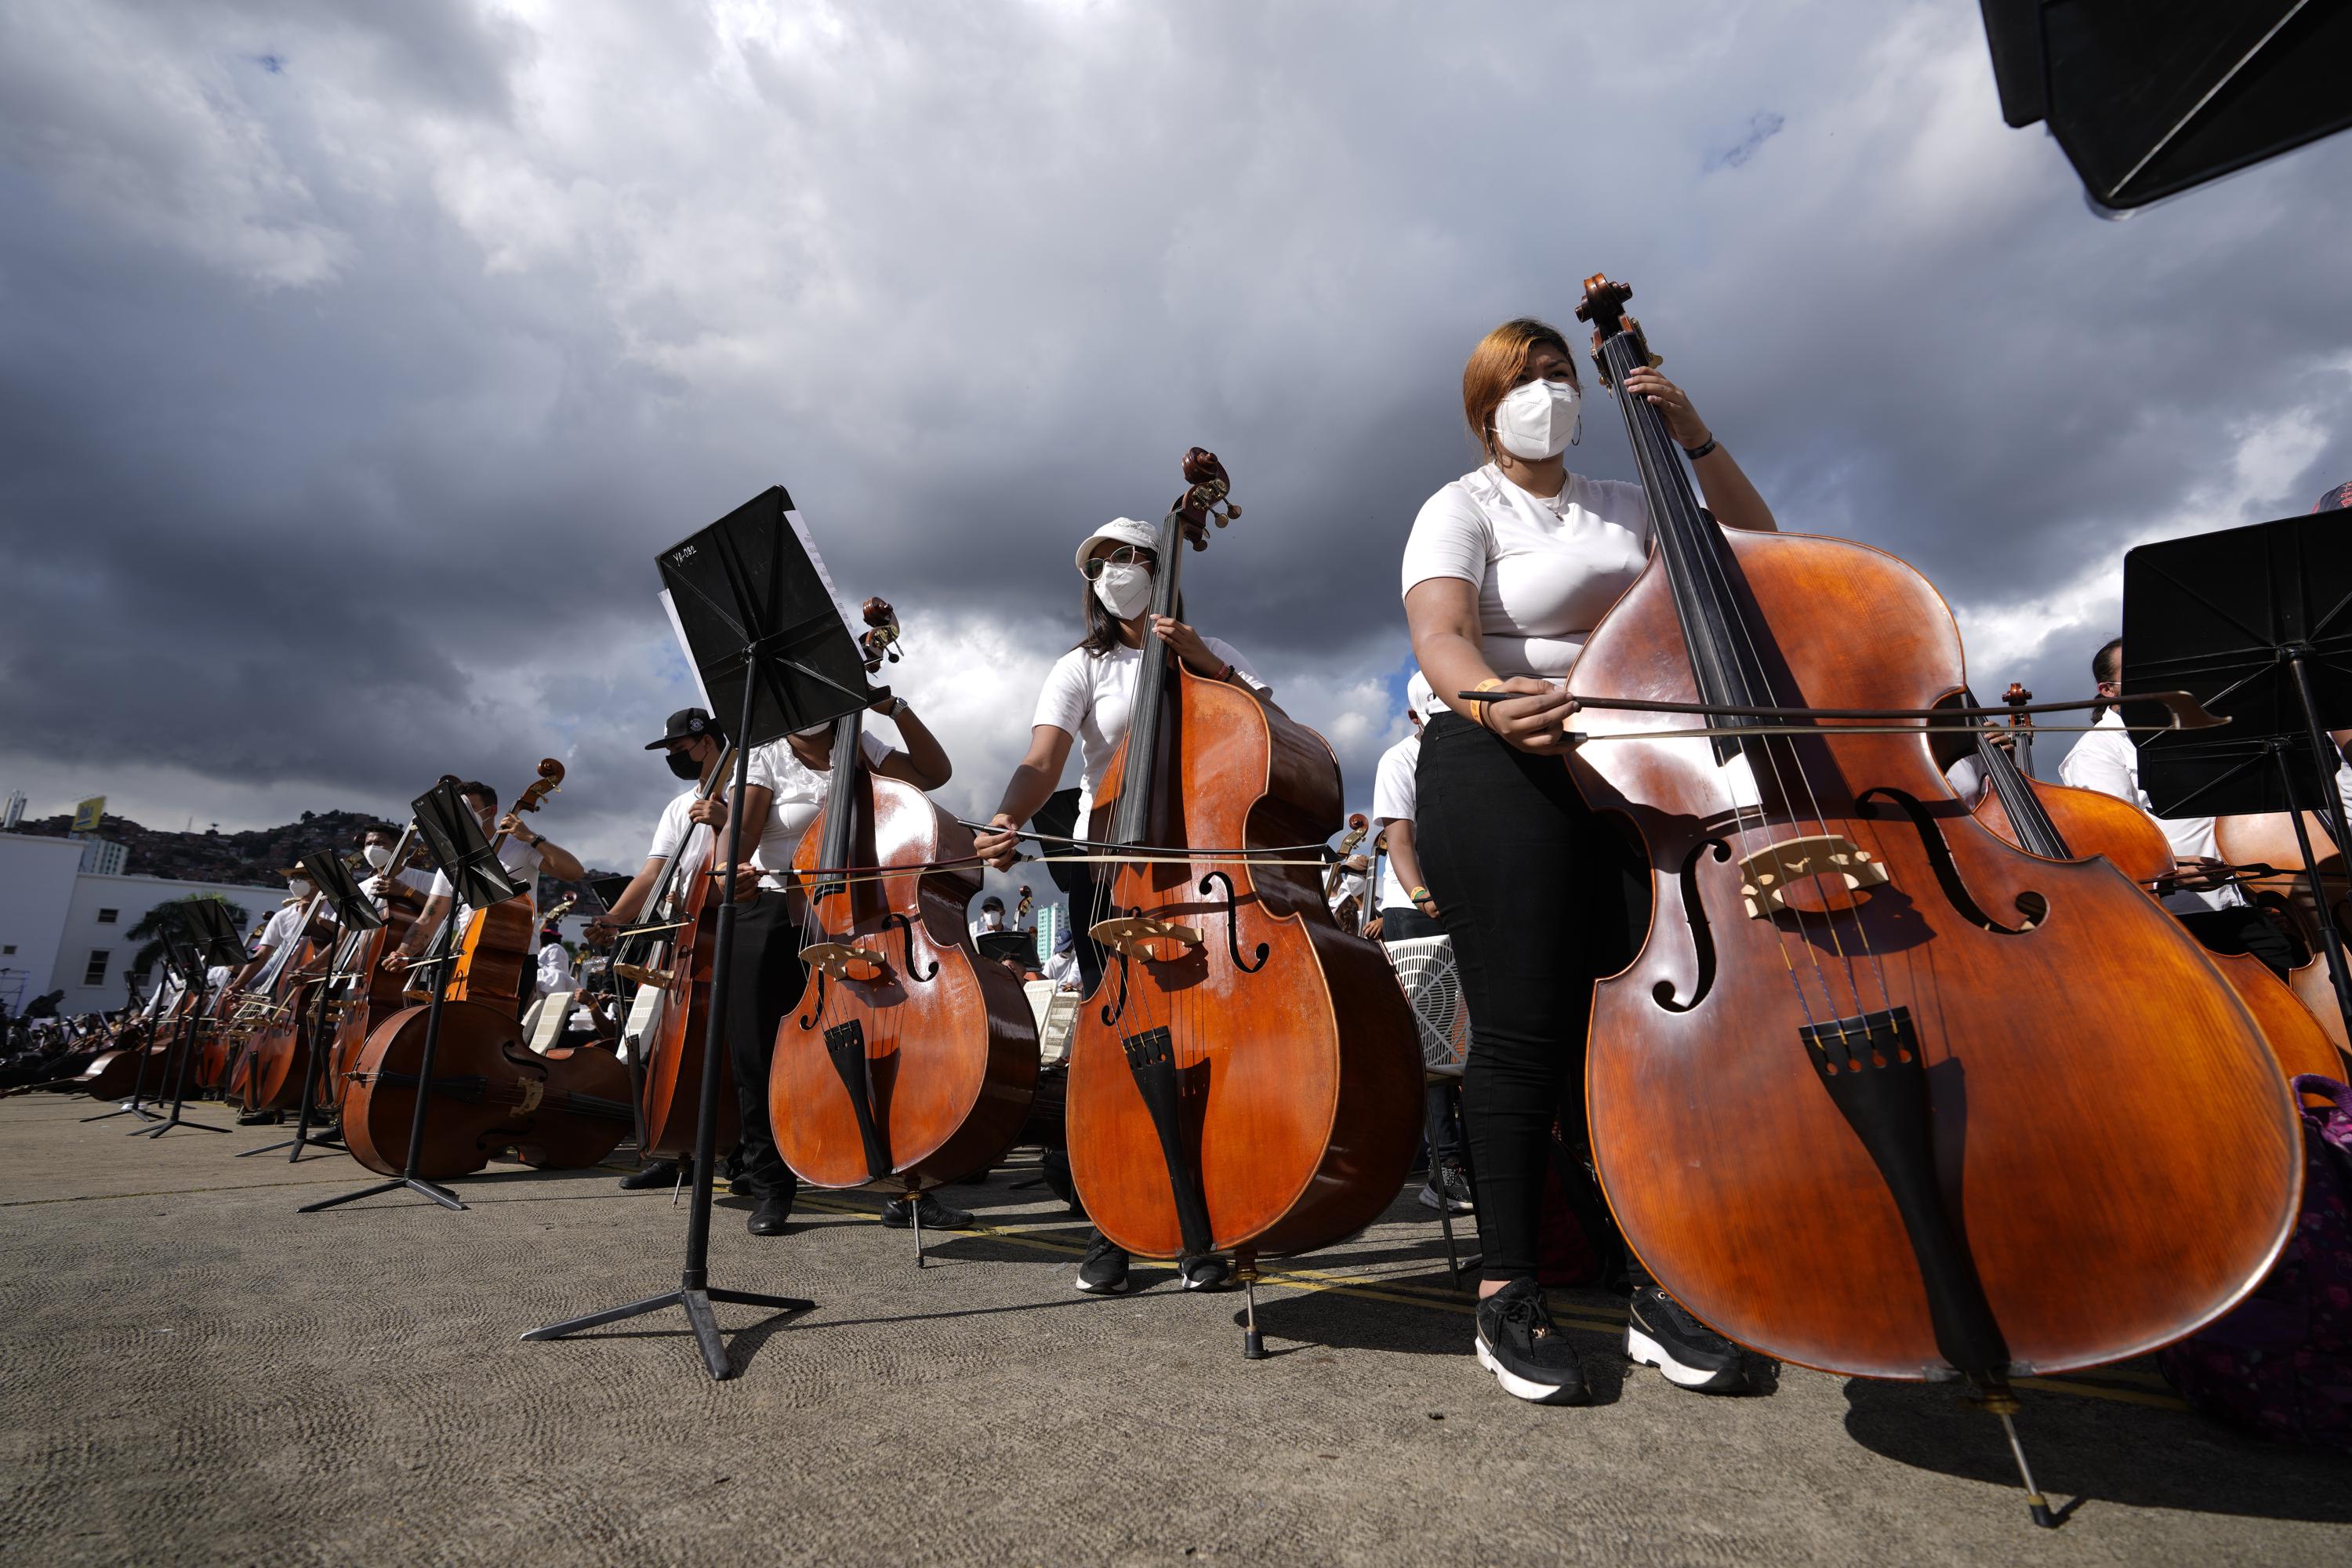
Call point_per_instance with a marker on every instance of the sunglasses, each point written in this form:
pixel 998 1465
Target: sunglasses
pixel 1124 555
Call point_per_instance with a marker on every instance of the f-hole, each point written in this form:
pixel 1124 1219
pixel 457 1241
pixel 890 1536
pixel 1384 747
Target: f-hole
pixel 1233 924
pixel 1701 935
pixel 906 932
pixel 2033 906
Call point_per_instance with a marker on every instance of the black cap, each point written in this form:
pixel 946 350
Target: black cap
pixel 685 725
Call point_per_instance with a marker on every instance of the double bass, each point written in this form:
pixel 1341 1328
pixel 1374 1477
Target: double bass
pixel 2268 839
pixel 489 959
pixel 1246 1075
pixel 670 966
pixel 372 992
pixel 1868 1098
pixel 2059 821
pixel 271 1063
pixel 564 1110
pixel 910 1061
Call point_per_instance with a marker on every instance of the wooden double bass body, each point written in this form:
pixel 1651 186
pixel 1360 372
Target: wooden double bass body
pixel 2269 838
pixel 910 1061
pixel 1880 1094
pixel 495 950
pixel 1245 1077
pixel 671 1011
pixel 564 1110
pixel 2061 822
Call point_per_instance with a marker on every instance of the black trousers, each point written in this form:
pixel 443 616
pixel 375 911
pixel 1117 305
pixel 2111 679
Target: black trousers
pixel 1540 898
pixel 2244 929
pixel 1440 1123
pixel 764 983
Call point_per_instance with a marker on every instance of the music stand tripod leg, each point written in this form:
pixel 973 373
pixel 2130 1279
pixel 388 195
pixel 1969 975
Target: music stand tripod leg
pixel 408 1178
pixel 694 1292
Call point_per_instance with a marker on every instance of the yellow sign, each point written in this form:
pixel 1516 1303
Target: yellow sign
pixel 87 814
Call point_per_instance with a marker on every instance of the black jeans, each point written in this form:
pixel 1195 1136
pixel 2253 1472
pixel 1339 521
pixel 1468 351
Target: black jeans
pixel 2244 929
pixel 764 983
pixel 1540 898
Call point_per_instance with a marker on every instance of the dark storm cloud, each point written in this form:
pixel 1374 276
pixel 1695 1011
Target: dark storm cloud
pixel 344 406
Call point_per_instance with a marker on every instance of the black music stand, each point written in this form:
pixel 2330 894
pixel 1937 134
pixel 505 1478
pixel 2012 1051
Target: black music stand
pixel 212 938
pixel 2255 623
pixel 175 956
pixel 767 635
pixel 454 837
pixel 353 912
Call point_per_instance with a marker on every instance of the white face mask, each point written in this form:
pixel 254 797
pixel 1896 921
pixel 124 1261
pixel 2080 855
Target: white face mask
pixel 1538 420
pixel 993 920
pixel 377 855
pixel 299 887
pixel 1125 591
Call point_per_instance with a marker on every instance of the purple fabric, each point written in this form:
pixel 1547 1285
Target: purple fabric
pixel 2279 1364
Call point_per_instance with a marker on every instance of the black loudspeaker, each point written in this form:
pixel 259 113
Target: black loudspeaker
pixel 2148 98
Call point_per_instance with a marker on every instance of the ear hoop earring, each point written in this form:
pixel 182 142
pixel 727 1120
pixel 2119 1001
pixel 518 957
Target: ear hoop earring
pixel 1577 435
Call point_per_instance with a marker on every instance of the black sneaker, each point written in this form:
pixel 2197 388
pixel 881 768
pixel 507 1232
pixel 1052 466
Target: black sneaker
pixel 1660 1333
pixel 1518 1342
pixel 1205 1272
pixel 653 1173
pixel 1447 1188
pixel 899 1215
pixel 770 1213
pixel 1103 1271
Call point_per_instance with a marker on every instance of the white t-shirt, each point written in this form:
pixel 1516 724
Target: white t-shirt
pixel 799 794
pixel 1090 696
pixel 283 925
pixel 2107 759
pixel 981 928
pixel 1394 792
pixel 517 857
pixel 1546 569
pixel 673 829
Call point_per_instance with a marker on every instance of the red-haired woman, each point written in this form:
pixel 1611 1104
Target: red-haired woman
pixel 1506 572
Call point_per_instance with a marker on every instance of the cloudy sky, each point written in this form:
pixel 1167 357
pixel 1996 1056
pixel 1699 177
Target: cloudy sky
pixel 358 358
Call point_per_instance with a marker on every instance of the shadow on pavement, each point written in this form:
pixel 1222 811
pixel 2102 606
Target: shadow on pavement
pixel 2097 1451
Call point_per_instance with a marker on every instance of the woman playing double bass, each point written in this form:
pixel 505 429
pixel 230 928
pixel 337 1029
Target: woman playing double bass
pixel 1506 571
pixel 1089 698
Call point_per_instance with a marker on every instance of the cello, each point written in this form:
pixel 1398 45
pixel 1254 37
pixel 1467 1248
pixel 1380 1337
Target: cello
pixel 2059 821
pixel 910 1062
pixel 670 966
pixel 1862 1101
pixel 488 962
pixel 1244 1076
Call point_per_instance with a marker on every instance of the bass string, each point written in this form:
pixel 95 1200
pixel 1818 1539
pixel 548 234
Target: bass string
pixel 1664 479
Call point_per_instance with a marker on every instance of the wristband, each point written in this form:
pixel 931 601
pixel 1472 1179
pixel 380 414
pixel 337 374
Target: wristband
pixel 1417 895
pixel 1488 684
pixel 1701 450
pixel 1225 676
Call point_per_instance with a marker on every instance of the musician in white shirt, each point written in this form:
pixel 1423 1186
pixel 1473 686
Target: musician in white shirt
pixel 789 783
pixel 2216 914
pixel 1506 572
pixel 524 852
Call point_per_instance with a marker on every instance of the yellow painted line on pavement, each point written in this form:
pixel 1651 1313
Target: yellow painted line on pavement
pixel 1400 1294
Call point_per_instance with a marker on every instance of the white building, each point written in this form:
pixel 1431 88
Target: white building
pixel 37 888
pixel 66 929
pixel 103 857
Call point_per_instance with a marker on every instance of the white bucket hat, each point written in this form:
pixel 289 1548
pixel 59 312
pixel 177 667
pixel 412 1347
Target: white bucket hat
pixel 1125 529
